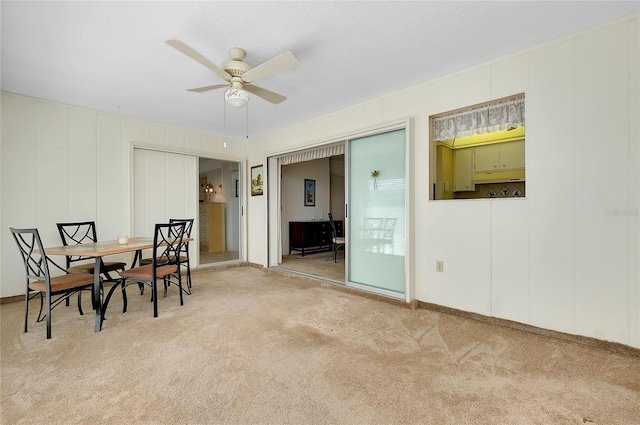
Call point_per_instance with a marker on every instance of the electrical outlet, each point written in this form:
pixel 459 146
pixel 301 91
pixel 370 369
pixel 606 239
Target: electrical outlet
pixel 440 266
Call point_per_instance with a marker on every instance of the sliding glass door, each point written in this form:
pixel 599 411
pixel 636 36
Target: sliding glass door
pixel 376 213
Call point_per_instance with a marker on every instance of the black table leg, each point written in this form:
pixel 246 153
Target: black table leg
pixel 97 298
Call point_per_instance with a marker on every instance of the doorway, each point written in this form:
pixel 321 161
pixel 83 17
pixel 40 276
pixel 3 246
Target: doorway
pixel 219 208
pixel 373 181
pixel 299 217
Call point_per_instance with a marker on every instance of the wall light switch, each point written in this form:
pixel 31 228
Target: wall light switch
pixel 446 185
pixel 439 266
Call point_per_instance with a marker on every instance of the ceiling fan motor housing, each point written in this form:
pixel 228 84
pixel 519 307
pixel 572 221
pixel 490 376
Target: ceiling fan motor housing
pixel 235 67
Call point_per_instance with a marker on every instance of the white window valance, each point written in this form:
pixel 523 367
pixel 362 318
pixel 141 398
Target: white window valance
pixel 498 115
pixel 310 155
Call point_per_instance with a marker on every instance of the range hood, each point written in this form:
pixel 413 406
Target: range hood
pixel 499 176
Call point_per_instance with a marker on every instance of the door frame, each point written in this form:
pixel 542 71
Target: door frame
pixel 274 234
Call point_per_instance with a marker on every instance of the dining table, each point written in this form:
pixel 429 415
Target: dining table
pixel 98 250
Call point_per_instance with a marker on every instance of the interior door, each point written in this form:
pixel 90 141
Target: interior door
pixel 165 186
pixel 376 213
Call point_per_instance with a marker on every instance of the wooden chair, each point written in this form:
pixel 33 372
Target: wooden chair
pixel 184 250
pixel 52 289
pixel 165 265
pixel 338 242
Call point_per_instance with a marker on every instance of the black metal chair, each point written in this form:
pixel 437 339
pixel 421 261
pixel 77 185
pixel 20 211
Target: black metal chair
pixel 184 249
pixel 85 232
pixel 338 242
pixel 165 265
pixel 52 289
pixel 77 233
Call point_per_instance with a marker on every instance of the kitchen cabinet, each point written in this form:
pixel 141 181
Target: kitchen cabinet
pixel 486 158
pixel 512 155
pixel 463 170
pixel 499 157
pixel 212 227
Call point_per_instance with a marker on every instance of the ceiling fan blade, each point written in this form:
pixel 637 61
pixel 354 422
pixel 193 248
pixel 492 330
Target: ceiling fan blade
pixel 280 63
pixel 207 88
pixel 179 45
pixel 267 95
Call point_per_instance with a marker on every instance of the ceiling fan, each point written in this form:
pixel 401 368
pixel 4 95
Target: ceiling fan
pixel 239 76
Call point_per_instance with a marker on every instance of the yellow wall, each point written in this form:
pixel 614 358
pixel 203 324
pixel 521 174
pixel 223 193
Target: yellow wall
pixel 444 169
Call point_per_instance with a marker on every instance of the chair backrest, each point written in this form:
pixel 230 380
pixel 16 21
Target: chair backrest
pixel 36 265
pixel 167 242
pixel 188 225
pixel 75 234
pixel 333 226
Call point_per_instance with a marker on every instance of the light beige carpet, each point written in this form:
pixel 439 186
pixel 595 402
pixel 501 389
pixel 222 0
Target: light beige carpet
pixel 256 347
pixel 319 264
pixel 216 257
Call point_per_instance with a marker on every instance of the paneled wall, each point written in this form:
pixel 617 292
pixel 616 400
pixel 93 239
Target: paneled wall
pixel 63 163
pixel 565 257
pixel 165 187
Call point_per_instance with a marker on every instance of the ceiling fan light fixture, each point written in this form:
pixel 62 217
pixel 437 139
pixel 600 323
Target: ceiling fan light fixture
pixel 236 97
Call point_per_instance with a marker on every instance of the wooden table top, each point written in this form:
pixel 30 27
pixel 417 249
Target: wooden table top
pixel 99 249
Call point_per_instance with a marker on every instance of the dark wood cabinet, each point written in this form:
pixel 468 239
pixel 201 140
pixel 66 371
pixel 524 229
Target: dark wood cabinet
pixel 312 235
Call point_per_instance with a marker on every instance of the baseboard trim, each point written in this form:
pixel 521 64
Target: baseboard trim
pixel 610 346
pixel 207 267
pixel 11 299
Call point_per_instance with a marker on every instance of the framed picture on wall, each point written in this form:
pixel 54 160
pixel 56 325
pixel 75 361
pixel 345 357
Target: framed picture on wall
pixel 257 180
pixel 309 193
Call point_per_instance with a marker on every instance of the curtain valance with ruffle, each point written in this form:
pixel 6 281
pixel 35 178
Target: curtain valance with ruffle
pixel 310 155
pixel 499 115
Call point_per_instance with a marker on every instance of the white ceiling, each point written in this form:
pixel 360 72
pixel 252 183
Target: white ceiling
pixel 112 56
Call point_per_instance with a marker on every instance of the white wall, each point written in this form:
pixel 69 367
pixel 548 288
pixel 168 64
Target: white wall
pixel 63 163
pixel 337 190
pixel 564 258
pixel 293 208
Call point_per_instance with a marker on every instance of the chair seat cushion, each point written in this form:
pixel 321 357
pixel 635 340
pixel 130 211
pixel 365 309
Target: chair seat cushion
pixel 64 282
pixel 89 267
pixel 146 271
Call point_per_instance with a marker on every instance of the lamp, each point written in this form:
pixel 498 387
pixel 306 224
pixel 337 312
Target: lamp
pixel 208 189
pixel 236 97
